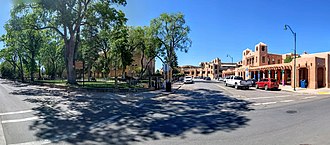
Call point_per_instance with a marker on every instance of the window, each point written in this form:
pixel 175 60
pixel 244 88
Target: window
pixel 263 48
pixel 257 48
pixel 263 59
pixel 278 61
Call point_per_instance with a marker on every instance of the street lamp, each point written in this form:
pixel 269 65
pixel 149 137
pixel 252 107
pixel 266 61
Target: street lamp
pixel 230 57
pixel 295 53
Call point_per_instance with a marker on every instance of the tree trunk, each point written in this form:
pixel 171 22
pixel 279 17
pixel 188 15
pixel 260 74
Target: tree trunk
pixel 89 67
pixel 116 79
pixel 69 57
pixel 21 69
pixel 149 75
pixel 123 73
pixel 39 75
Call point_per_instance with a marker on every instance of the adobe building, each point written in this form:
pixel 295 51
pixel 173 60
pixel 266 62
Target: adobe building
pixel 211 69
pixel 258 64
pixel 133 69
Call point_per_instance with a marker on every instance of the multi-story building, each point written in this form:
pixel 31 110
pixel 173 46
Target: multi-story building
pixel 257 64
pixel 211 69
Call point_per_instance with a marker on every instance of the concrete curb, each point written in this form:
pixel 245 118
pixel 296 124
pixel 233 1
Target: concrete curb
pixel 2 135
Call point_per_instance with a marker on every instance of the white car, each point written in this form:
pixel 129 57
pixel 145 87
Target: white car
pixel 188 79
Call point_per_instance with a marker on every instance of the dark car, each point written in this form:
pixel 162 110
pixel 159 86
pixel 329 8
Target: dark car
pixel 207 78
pixel 253 82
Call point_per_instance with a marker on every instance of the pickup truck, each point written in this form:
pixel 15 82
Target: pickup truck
pixel 238 82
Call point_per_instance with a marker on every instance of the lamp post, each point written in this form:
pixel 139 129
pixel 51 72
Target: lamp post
pixel 295 53
pixel 231 58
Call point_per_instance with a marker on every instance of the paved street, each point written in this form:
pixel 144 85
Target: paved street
pixel 206 112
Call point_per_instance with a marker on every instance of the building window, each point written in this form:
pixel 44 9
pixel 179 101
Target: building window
pixel 278 61
pixel 263 59
pixel 263 48
pixel 257 48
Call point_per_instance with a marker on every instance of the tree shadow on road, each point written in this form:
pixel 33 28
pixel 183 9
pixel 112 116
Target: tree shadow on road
pixel 125 119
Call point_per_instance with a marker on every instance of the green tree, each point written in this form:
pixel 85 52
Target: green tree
pixel 51 55
pixel 172 32
pixel 288 59
pixel 142 41
pixel 67 17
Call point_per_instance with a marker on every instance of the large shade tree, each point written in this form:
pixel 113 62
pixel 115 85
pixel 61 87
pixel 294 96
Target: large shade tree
pixel 172 31
pixel 67 17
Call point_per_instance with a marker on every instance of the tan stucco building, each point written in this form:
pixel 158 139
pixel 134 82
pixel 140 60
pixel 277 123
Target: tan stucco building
pixel 133 69
pixel 257 64
pixel 212 69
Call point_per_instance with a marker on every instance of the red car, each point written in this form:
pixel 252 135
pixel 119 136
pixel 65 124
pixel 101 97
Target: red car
pixel 267 84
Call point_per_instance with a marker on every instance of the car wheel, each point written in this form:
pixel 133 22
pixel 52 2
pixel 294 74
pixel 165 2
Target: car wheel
pixel 226 84
pixel 236 86
pixel 266 88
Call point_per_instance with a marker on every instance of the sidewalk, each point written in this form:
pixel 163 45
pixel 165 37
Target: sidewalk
pixel 305 90
pixel 157 93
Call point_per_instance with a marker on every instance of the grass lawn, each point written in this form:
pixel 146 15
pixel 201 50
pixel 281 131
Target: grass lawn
pixel 100 83
pixel 56 82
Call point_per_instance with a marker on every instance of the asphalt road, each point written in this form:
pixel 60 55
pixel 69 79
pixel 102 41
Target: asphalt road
pixel 202 113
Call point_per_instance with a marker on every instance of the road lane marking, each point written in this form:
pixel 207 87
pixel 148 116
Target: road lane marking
pixel 2 135
pixel 266 103
pixel 257 98
pixel 41 142
pixel 286 101
pixel 310 97
pixel 20 120
pixel 222 87
pixel 17 112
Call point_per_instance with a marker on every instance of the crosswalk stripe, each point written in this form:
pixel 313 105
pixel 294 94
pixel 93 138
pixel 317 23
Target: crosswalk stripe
pixel 310 97
pixel 222 87
pixel 41 142
pixel 17 112
pixel 20 120
pixel 286 101
pixel 266 103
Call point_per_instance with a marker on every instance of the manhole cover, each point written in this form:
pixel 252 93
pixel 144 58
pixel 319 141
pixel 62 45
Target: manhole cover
pixel 291 111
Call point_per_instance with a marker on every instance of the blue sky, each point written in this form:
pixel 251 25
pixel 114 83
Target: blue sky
pixel 221 27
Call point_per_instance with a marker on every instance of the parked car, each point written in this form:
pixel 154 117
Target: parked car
pixel 238 82
pixel 221 79
pixel 188 80
pixel 207 78
pixel 198 77
pixel 226 78
pixel 253 82
pixel 267 84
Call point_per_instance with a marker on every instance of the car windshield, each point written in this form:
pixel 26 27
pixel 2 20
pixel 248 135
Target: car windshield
pixel 238 78
pixel 188 77
pixel 273 80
